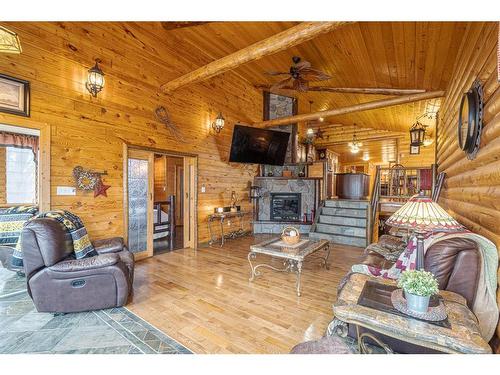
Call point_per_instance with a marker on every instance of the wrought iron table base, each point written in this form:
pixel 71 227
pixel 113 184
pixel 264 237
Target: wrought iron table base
pixel 289 265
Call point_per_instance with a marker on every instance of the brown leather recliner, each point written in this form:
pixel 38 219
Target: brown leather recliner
pixel 58 283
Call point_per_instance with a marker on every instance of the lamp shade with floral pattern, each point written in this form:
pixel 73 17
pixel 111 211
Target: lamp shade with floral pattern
pixel 422 213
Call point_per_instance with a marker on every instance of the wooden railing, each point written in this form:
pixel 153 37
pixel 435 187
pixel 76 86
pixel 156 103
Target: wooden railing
pixel 374 204
pixel 400 183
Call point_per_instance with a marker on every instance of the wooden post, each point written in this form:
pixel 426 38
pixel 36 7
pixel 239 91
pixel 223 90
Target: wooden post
pixel 354 108
pixel 281 41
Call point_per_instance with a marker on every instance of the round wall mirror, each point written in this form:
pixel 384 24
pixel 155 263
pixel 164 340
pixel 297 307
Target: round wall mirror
pixel 470 120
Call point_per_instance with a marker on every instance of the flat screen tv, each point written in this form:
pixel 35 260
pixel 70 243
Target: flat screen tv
pixel 258 146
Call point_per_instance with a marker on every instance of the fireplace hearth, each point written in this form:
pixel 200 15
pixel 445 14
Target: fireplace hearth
pixel 285 206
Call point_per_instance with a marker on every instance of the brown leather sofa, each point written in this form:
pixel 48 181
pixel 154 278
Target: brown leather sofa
pixel 58 283
pixel 455 263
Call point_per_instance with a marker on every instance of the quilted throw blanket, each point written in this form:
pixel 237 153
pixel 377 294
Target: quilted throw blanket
pixel 485 306
pixel 12 220
pixel 74 227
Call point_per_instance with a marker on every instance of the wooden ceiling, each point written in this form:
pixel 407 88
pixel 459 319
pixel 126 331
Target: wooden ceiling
pixel 413 55
pixel 407 55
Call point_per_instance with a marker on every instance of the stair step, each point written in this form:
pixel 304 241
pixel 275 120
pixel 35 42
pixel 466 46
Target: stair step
pixel 345 212
pixel 339 239
pixel 346 203
pixel 341 229
pixel 340 220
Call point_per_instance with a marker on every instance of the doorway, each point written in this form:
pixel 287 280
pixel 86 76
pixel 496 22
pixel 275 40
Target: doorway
pixel 168 214
pixel 160 198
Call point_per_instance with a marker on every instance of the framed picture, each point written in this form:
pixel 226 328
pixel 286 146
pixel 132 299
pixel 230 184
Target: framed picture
pixel 14 96
pixel 414 150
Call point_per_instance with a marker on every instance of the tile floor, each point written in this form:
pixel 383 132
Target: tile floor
pixel 111 331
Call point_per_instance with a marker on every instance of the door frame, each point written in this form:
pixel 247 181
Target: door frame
pixel 193 202
pixel 44 154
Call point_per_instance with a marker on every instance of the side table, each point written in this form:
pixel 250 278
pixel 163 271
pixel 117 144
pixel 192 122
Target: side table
pixel 221 219
pixel 463 336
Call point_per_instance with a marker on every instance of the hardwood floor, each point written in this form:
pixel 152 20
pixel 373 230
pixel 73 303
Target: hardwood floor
pixel 204 300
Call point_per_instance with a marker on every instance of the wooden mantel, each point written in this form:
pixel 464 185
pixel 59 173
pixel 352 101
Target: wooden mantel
pixel 281 41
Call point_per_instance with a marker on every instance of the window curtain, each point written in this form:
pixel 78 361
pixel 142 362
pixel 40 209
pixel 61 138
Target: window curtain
pixel 20 140
pixel 23 141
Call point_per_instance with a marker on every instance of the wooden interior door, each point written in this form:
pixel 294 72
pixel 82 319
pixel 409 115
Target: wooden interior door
pixel 189 202
pixel 139 168
pixel 179 193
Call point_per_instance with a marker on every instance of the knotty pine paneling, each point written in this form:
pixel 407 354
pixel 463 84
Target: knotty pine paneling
pixel 471 191
pixel 136 59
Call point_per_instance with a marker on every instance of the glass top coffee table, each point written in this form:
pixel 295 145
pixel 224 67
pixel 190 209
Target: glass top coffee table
pixel 292 255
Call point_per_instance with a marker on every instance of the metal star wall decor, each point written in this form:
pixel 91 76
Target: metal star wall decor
pixel 9 41
pixel 100 189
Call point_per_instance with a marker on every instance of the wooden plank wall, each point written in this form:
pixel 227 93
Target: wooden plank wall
pixel 471 190
pixel 136 59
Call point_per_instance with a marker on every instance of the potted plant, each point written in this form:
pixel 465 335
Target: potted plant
pixel 418 286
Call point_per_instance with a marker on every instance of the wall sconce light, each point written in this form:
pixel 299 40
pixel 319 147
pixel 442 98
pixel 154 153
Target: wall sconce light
pixel 95 80
pixel 310 133
pixel 417 134
pixel 219 123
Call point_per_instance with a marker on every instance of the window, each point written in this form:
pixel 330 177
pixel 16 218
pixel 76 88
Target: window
pixel 20 175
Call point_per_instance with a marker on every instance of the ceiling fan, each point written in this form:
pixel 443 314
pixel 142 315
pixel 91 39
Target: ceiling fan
pixel 299 76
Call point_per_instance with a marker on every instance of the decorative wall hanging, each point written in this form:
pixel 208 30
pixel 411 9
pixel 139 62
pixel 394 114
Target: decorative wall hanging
pixel 470 120
pixel 14 96
pixel 9 41
pixel 161 115
pixel 88 180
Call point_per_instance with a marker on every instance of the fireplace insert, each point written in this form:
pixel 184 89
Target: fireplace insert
pixel 285 206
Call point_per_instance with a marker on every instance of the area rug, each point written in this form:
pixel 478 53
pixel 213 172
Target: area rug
pixel 111 331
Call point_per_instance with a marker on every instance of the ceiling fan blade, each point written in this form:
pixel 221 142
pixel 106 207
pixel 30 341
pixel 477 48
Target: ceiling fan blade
pixel 303 65
pixel 277 73
pixel 301 85
pixel 312 74
pixel 282 84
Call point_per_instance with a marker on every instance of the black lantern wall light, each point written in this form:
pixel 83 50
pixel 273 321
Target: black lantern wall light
pixel 95 80
pixel 417 134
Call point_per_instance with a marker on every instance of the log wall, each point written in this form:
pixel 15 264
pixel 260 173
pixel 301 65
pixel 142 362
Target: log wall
pixel 136 59
pixel 471 190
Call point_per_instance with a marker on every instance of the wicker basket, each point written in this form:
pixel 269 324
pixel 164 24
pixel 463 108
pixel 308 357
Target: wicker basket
pixel 290 240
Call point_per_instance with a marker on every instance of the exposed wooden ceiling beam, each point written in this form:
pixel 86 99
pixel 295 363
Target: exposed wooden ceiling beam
pixel 379 138
pixel 181 25
pixel 281 41
pixel 351 90
pixel 350 109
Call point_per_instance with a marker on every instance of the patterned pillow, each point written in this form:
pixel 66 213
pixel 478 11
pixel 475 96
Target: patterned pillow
pixel 392 242
pixel 388 246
